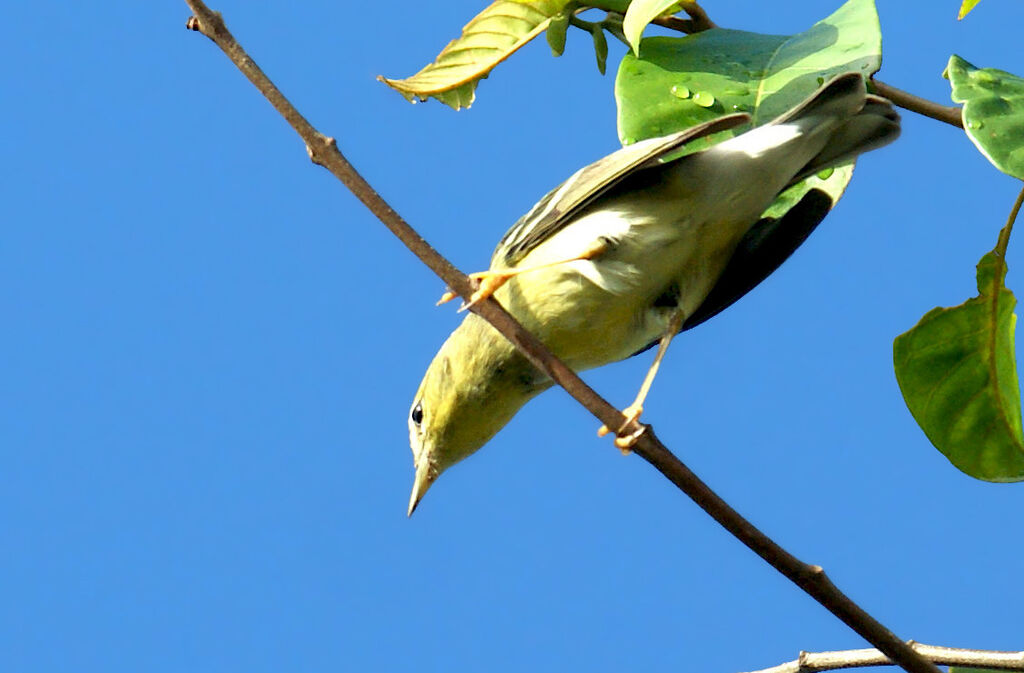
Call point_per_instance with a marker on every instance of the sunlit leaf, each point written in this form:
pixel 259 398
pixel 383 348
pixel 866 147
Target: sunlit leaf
pixel 965 9
pixel 993 112
pixel 681 82
pixel 492 36
pixel 958 375
pixel 641 13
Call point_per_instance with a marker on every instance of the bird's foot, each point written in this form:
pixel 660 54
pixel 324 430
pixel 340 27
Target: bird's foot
pixel 485 282
pixel 625 440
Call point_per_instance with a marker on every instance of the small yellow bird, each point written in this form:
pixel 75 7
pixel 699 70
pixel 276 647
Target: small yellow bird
pixel 630 250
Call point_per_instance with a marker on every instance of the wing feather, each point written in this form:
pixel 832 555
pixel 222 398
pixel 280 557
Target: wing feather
pixel 553 212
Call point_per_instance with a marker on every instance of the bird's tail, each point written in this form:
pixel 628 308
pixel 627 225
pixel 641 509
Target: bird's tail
pixel 869 122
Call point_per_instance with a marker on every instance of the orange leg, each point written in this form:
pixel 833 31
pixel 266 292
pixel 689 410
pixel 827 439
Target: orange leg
pixel 487 282
pixel 625 440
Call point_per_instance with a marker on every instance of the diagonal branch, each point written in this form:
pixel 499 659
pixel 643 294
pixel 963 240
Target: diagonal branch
pixel 324 151
pixel 813 662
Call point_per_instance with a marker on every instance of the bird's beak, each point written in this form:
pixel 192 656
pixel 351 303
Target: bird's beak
pixel 425 476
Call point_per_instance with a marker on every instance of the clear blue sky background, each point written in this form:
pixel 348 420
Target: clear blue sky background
pixel 209 348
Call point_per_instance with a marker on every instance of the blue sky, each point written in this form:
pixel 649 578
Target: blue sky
pixel 210 348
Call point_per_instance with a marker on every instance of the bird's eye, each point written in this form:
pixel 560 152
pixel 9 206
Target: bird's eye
pixel 417 413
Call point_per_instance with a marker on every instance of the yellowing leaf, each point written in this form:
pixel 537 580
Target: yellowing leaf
pixel 641 13
pixel 492 36
pixel 966 8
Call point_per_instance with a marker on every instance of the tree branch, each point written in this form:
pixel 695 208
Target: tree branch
pixel 699 20
pixel 810 662
pixel 324 151
pixel 908 101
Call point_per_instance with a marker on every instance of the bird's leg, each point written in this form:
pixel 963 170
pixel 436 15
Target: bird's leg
pixel 487 282
pixel 632 412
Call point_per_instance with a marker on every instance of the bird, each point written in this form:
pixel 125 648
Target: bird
pixel 629 251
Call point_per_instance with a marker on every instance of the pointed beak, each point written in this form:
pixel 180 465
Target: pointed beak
pixel 425 476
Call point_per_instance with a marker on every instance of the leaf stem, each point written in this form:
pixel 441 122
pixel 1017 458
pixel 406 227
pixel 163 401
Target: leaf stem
pixel 699 20
pixel 612 22
pixel 995 297
pixel 1004 234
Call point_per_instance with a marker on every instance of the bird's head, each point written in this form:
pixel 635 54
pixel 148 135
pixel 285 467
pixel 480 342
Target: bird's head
pixel 473 387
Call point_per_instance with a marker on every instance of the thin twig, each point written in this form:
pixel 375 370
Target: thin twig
pixel 944 113
pixel 323 151
pixel 699 20
pixel 812 662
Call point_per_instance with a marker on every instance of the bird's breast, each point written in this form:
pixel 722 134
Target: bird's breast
pixel 594 311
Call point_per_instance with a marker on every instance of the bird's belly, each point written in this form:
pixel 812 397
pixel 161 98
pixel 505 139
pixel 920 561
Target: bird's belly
pixel 589 324
pixel 595 311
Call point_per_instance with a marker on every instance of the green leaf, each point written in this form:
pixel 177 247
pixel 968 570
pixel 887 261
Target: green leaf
pixel 764 75
pixel 681 82
pixel 492 36
pixel 833 184
pixel 641 13
pixel 965 9
pixel 993 112
pixel 601 49
pixel 557 28
pixel 958 375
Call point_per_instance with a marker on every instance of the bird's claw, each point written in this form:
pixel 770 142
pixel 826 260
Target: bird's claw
pixel 485 283
pixel 623 440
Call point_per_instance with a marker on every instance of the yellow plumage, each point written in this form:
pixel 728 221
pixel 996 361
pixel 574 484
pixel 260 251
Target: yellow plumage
pixel 648 242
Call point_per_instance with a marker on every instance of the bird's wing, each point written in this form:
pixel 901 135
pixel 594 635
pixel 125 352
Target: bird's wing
pixel 557 208
pixel 761 251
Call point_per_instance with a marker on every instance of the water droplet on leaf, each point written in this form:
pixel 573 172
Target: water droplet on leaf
pixel 680 91
pixel 826 174
pixel 703 99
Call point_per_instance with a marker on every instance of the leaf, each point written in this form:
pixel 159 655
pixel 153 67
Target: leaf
pixel 642 12
pixel 492 36
pixel 601 49
pixel 957 372
pixel 965 9
pixel 993 112
pixel 557 28
pixel 680 82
